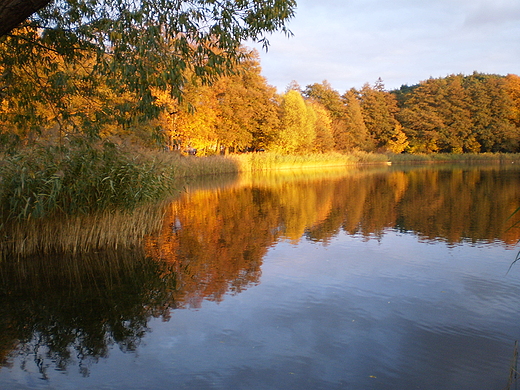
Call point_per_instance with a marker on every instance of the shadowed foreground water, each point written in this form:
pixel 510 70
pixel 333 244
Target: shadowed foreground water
pixel 380 278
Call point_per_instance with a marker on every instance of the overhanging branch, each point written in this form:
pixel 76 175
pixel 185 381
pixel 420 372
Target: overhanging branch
pixel 14 12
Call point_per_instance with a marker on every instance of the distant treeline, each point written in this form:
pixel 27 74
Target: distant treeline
pixel 454 114
pixel 240 112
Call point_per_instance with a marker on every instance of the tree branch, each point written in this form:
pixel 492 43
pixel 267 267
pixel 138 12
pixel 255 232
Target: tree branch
pixel 14 12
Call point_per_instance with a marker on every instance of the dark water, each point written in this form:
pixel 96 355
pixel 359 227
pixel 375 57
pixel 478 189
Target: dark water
pixel 381 278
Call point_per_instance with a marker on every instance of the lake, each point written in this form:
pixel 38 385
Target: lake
pixel 381 277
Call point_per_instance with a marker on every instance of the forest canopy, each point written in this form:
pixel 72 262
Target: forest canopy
pixel 455 114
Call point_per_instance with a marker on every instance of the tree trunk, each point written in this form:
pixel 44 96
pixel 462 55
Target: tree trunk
pixel 14 12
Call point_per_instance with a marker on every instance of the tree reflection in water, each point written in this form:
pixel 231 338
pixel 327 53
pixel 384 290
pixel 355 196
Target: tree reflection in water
pixel 63 310
pixel 69 309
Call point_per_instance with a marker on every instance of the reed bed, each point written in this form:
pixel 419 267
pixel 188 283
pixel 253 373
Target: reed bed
pixel 271 161
pixel 455 158
pixel 85 198
pixel 86 178
pixel 178 166
pixel 43 181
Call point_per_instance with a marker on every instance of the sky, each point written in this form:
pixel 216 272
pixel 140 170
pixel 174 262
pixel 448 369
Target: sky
pixel 353 42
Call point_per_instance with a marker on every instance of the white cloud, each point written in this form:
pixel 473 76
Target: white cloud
pixel 352 42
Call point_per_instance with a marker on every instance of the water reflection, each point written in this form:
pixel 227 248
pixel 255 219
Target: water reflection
pixel 62 310
pixel 453 205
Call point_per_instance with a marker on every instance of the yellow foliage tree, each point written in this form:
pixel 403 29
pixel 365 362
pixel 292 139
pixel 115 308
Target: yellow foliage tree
pixel 297 132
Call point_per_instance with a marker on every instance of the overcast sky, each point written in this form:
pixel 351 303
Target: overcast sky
pixel 352 42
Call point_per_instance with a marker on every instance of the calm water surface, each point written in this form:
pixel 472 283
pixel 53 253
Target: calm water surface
pixel 380 278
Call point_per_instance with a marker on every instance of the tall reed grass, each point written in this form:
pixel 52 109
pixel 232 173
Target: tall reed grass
pixel 178 166
pixel 88 197
pixel 84 178
pixel 271 161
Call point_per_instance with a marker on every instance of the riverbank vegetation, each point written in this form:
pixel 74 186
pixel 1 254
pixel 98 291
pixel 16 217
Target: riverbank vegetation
pixel 83 178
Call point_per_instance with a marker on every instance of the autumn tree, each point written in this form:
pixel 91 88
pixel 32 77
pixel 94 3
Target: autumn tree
pixel 324 94
pixel 460 114
pixel 456 135
pixel 248 117
pixel 192 122
pixel 134 48
pixel 236 113
pixel 327 96
pixel 438 117
pixel 491 110
pixel 296 134
pixel 355 135
pixel 512 88
pixel 421 121
pixel 324 141
pixel 50 97
pixel 379 108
